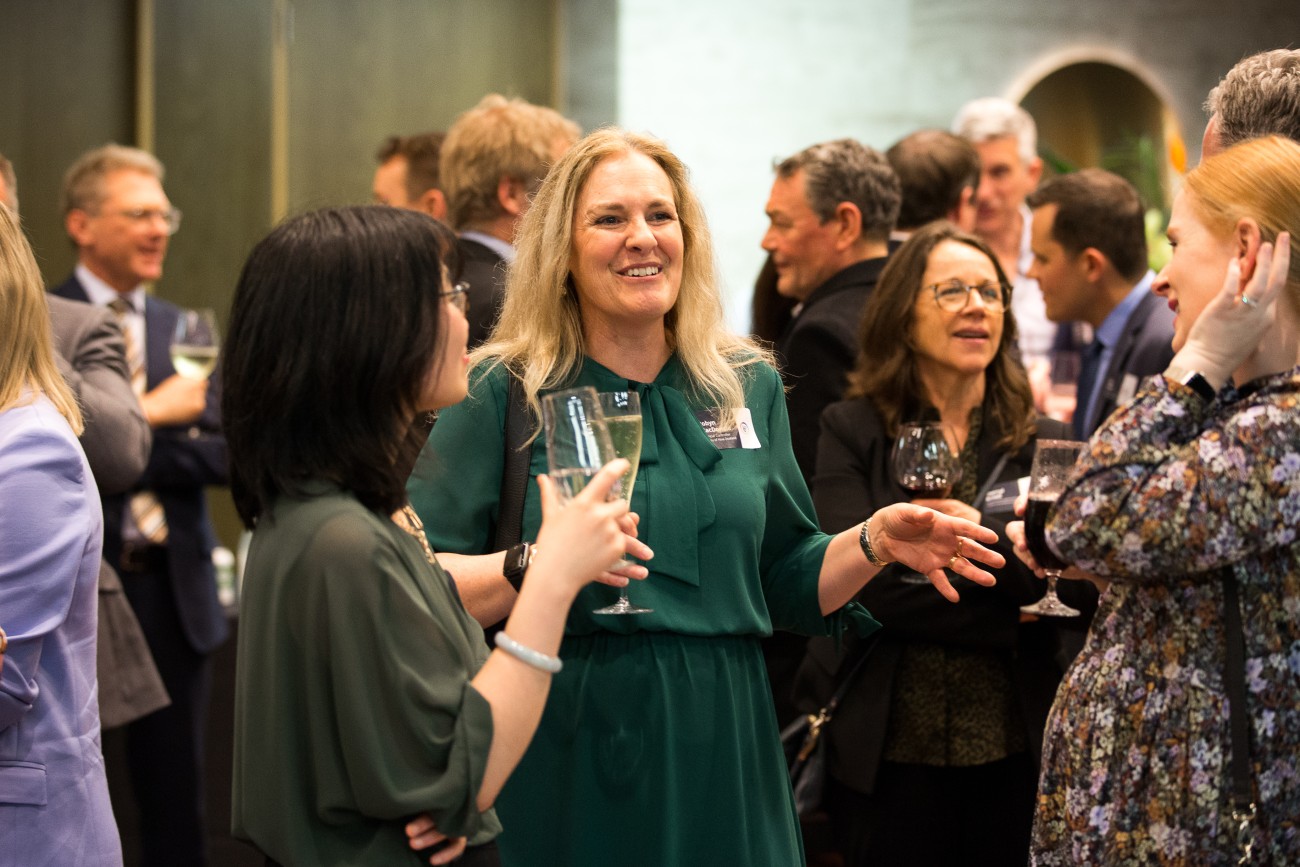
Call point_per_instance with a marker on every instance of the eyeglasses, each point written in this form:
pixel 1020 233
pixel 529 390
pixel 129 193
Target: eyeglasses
pixel 171 217
pixel 458 297
pixel 954 295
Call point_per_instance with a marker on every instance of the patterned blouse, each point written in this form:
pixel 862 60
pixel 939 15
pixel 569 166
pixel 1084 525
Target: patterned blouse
pixel 1172 495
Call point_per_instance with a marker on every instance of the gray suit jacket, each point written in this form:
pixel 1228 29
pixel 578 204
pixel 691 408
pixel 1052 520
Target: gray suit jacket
pixel 91 355
pixel 1142 350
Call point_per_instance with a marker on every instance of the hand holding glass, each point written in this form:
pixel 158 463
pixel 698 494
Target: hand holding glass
pixel 923 463
pixel 1053 460
pixel 195 344
pixel 578 444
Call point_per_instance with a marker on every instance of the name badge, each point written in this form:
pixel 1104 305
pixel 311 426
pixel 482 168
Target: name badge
pixel 1001 498
pixel 742 436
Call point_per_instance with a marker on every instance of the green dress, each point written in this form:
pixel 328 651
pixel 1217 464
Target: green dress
pixel 353 708
pixel 658 745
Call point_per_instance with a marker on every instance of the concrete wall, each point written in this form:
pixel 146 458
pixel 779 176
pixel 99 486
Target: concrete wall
pixel 734 84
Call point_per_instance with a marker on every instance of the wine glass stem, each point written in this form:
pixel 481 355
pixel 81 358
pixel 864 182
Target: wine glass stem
pixel 1052 575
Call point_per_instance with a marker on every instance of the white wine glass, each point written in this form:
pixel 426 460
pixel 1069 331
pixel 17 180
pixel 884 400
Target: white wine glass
pixel 1053 460
pixel 195 343
pixel 1063 389
pixel 924 464
pixel 622 411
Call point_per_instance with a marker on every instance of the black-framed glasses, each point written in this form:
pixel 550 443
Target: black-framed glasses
pixel 458 297
pixel 953 295
pixel 171 217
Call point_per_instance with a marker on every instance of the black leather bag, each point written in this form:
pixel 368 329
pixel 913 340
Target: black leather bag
pixel 805 746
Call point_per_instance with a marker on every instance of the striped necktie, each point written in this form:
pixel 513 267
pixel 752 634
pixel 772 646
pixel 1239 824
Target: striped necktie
pixel 146 510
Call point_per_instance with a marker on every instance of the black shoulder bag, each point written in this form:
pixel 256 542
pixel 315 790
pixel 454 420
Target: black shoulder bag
pixel 805 749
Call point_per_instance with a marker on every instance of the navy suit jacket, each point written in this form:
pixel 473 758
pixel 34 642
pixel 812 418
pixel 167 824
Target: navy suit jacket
pixel 1143 349
pixel 485 272
pixel 182 461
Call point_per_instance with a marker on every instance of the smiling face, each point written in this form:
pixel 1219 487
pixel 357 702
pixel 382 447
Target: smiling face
pixel 964 341
pixel 626 259
pixel 1196 269
pixel 122 250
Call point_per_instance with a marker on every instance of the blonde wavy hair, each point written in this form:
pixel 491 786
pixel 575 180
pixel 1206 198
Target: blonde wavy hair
pixel 1259 179
pixel 26 346
pixel 539 336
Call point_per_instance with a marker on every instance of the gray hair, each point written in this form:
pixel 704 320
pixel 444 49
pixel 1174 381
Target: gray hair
pixel 845 170
pixel 992 117
pixel 1259 96
pixel 83 183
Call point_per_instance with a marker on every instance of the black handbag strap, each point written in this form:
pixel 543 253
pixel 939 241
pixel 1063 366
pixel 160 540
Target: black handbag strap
pixel 828 709
pixel 1243 801
pixel 514 476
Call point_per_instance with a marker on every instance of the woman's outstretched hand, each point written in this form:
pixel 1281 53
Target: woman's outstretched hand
pixel 928 542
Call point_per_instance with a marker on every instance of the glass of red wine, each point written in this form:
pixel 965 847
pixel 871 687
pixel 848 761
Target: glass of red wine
pixel 1053 461
pixel 925 464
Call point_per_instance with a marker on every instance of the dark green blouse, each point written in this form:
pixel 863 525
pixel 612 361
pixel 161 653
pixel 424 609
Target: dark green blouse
pixel 353 708
pixel 658 744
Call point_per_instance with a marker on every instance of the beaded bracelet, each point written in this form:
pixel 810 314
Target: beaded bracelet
pixel 528 656
pixel 864 539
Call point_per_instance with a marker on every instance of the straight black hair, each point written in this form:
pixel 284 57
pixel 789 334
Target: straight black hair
pixel 336 326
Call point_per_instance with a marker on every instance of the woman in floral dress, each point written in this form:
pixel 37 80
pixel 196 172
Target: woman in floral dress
pixel 1195 481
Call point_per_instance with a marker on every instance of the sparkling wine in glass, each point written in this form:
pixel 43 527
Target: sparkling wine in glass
pixel 1063 389
pixel 577 440
pixel 195 344
pixel 622 411
pixel 1053 460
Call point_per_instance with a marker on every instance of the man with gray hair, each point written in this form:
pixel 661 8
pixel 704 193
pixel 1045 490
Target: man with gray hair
pixel 1006 139
pixel 158 536
pixel 1259 96
pixel 830 212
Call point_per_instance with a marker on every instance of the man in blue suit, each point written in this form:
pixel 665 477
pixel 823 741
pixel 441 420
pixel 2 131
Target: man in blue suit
pixel 1090 260
pixel 158 534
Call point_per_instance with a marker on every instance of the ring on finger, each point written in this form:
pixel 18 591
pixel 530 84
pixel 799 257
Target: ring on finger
pixel 1248 301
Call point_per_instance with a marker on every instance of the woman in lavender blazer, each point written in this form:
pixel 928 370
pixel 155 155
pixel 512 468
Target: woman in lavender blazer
pixel 54 807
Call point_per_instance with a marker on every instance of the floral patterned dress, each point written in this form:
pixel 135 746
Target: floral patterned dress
pixel 1172 494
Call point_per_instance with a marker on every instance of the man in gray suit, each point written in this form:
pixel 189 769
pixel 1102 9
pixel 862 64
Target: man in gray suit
pixel 91 355
pixel 1090 260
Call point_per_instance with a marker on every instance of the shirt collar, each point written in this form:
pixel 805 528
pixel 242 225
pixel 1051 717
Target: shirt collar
pixel 1113 325
pixel 101 294
pixel 492 242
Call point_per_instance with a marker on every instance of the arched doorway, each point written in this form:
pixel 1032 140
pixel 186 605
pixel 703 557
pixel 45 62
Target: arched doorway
pixel 1096 113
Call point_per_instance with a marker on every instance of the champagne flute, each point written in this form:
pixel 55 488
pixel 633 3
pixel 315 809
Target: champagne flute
pixel 925 465
pixel 1053 460
pixel 622 410
pixel 195 344
pixel 577 440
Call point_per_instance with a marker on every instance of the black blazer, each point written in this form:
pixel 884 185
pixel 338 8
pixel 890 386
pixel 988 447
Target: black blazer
pixel 1143 349
pixel 485 272
pixel 854 479
pixel 817 351
pixel 182 461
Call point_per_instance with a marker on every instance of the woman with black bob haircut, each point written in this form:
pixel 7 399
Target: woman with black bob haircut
pixel 367 705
